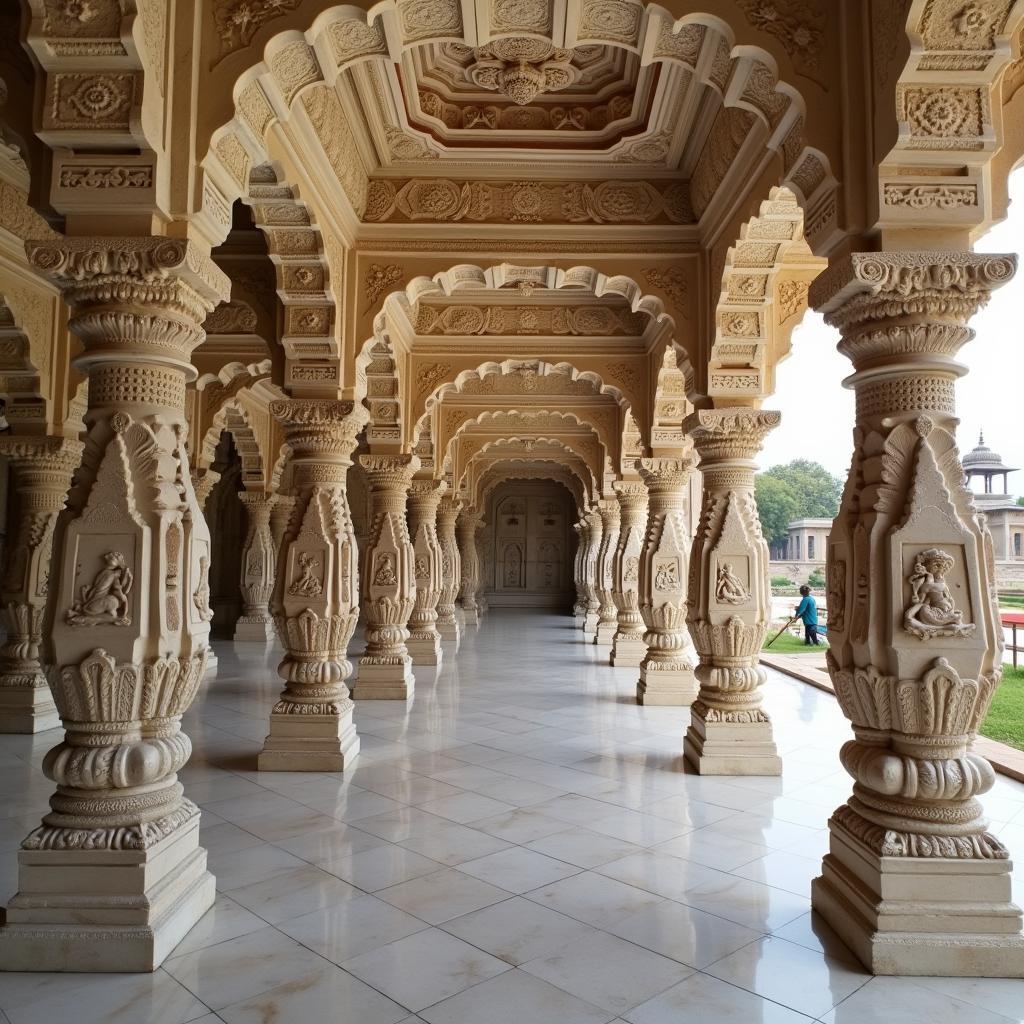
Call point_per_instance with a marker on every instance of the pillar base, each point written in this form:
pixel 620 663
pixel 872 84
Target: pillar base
pixel 580 618
pixel 309 743
pixel 450 630
pixel 211 662
pixel 920 916
pixel 106 910
pixel 675 687
pixel 425 650
pixel 730 748
pixel 385 682
pixel 605 634
pixel 255 631
pixel 590 624
pixel 471 616
pixel 627 652
pixel 28 708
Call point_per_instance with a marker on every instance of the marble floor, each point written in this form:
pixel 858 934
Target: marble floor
pixel 519 844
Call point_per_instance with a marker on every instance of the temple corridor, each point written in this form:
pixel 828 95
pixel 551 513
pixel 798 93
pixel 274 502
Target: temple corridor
pixel 520 841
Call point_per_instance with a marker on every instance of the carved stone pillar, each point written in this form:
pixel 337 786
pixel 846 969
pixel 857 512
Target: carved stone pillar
pixel 315 600
pixel 667 669
pixel 203 482
pixel 628 647
pixel 607 616
pixel 280 516
pixel 914 882
pixel 594 535
pixel 729 599
pixel 466 527
pixel 424 641
pixel 482 604
pixel 451 571
pixel 259 558
pixel 114 877
pixel 41 469
pixel 579 609
pixel 389 582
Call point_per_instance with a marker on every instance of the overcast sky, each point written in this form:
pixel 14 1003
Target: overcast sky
pixel 817 411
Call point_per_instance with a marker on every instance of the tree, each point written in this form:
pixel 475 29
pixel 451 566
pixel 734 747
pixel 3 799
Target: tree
pixel 776 505
pixel 801 489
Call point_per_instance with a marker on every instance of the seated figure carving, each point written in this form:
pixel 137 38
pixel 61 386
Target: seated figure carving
pixel 932 611
pixel 729 588
pixel 105 601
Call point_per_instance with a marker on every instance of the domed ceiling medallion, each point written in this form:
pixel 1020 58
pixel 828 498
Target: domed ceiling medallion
pixel 521 68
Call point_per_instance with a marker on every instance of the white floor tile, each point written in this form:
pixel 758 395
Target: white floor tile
pixel 608 971
pixel 518 870
pixel 513 998
pixel 424 968
pixel 442 895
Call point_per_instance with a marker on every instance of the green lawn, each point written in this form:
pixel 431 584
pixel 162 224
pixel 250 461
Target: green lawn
pixel 1011 600
pixel 789 644
pixel 1005 721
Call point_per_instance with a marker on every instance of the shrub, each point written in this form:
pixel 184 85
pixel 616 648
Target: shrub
pixel 781 581
pixel 816 580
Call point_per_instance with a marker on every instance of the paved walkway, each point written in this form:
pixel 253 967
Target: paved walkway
pixel 521 843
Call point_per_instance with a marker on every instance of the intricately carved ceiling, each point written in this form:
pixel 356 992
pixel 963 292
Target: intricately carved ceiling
pixel 523 92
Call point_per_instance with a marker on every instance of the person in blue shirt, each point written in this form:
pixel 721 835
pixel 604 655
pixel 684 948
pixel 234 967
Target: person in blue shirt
pixel 807 610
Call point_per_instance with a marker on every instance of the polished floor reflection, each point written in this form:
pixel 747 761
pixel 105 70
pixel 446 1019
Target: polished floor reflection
pixel 520 844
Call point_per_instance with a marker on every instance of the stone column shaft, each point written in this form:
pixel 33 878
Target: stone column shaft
pixel 589 565
pixel 315 599
pixel 913 882
pixel 424 643
pixel 482 604
pixel 114 877
pixel 579 609
pixel 451 570
pixel 607 615
pixel 466 527
pixel 628 647
pixel 41 469
pixel 666 671
pixel 730 599
pixel 259 561
pixel 389 582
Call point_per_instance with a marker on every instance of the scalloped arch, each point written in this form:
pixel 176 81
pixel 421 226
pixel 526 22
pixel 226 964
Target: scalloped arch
pixel 745 76
pixel 501 473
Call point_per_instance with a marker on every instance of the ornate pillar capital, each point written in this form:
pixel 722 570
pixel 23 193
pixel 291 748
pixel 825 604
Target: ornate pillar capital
pixel 390 472
pixel 320 429
pixel 863 288
pixel 731 434
pixel 203 482
pixel 171 283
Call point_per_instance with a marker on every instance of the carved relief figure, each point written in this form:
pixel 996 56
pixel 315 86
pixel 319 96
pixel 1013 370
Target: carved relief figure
pixel 729 589
pixel 105 601
pixel 632 570
pixel 931 611
pixel 385 575
pixel 307 583
pixel 422 567
pixel 513 566
pixel 666 575
pixel 201 598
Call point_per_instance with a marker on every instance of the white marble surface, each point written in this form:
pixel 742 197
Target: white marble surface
pixel 521 842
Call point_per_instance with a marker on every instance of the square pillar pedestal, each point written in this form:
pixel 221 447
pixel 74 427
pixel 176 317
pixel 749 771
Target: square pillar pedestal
pixel 385 682
pixel 627 653
pixel 425 650
pixel 309 742
pixel 730 748
pixel 666 687
pixel 106 910
pixel 920 916
pixel 26 710
pixel 255 631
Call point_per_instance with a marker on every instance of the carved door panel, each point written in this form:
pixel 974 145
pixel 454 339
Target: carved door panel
pixel 546 544
pixel 511 531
